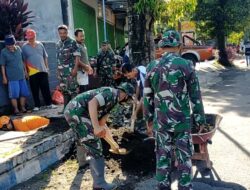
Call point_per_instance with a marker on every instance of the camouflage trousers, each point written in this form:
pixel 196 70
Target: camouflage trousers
pixel 172 148
pixel 85 133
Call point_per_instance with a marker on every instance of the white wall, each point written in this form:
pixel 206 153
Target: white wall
pixel 48 15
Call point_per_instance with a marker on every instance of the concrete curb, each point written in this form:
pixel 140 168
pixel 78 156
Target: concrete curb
pixel 34 159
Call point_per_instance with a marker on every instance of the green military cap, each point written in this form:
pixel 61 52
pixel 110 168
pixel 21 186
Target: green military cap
pixel 127 88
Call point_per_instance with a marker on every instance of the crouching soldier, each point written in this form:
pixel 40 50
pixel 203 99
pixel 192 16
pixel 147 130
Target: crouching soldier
pixel 87 114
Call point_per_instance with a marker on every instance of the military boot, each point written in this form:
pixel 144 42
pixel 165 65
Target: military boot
pixel 97 172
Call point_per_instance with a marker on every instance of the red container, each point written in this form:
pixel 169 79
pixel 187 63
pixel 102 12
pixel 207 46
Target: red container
pixel 200 141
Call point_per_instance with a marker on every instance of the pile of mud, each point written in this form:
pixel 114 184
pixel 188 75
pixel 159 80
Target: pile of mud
pixel 141 157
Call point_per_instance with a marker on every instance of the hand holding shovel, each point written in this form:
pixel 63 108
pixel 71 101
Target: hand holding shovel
pixel 114 147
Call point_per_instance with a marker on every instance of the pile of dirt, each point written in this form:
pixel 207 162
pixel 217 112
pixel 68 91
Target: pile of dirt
pixel 141 157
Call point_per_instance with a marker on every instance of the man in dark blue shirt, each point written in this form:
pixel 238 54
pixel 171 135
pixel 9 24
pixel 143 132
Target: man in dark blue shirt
pixel 14 73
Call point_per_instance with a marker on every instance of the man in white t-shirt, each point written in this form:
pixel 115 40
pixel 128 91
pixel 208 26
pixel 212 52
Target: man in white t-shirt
pixel 138 74
pixel 85 68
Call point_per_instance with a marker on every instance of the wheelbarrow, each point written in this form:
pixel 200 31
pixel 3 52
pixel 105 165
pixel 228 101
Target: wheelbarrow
pixel 201 140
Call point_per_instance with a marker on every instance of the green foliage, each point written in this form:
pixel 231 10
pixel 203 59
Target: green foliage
pixel 14 16
pixel 229 15
pixel 178 10
pixel 235 37
pixel 219 18
pixel 152 7
pixel 175 11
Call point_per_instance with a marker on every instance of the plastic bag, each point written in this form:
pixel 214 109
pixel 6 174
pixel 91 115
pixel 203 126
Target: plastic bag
pixel 57 96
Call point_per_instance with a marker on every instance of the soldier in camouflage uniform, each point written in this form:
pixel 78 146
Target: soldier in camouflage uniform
pixel 105 65
pixel 68 57
pixel 170 84
pixel 86 115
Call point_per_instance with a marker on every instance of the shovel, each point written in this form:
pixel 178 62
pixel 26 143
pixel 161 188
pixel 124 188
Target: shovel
pixel 132 126
pixel 114 147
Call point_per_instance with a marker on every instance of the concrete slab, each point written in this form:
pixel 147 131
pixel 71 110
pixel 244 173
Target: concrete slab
pixel 25 154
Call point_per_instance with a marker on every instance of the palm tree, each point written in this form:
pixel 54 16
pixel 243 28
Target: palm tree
pixel 14 17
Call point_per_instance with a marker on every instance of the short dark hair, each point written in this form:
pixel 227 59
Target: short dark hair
pixel 105 42
pixel 78 30
pixel 62 27
pixel 127 68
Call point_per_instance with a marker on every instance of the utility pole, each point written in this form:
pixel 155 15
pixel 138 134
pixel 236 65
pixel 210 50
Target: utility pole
pixel 104 19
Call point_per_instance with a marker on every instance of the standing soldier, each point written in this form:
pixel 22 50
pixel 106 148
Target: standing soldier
pixel 68 58
pixel 87 114
pixel 105 65
pixel 170 85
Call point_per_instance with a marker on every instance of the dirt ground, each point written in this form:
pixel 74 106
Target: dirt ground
pixel 125 170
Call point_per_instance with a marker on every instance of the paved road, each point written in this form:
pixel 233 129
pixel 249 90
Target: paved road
pixel 230 151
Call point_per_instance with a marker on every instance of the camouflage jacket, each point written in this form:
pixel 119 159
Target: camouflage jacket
pixel 170 85
pixel 66 52
pixel 107 98
pixel 105 64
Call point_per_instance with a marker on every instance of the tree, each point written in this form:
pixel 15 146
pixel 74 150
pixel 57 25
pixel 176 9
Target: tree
pixel 14 16
pixel 220 18
pixel 142 15
pixel 176 11
pixel 235 37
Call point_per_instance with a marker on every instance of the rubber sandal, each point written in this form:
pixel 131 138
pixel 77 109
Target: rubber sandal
pixel 27 111
pixel 17 114
pixel 120 151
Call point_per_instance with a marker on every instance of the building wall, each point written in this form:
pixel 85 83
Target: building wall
pixel 48 15
pixel 85 17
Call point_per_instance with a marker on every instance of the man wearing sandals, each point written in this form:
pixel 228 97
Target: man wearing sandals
pixel 87 114
pixel 171 91
pixel 14 74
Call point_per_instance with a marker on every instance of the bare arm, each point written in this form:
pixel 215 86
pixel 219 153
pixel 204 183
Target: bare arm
pixel 139 106
pixel 25 71
pixel 86 67
pixel 46 63
pixel 99 131
pixel 5 81
pixel 77 62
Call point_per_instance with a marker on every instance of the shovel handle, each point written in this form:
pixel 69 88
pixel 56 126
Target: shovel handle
pixel 110 140
pixel 132 126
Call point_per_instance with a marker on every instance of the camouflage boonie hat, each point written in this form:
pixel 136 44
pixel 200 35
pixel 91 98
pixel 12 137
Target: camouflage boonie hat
pixel 170 38
pixel 127 88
